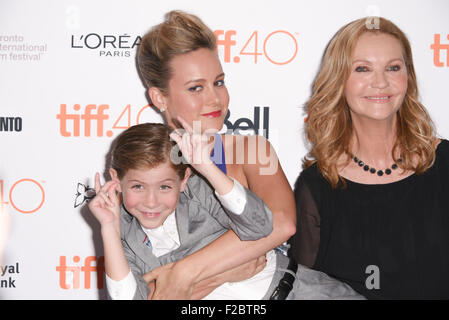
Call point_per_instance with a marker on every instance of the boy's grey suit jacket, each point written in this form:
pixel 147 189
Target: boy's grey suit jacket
pixel 200 220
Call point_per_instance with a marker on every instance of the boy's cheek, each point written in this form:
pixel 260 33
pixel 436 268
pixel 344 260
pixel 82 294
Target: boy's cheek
pixel 129 201
pixel 173 203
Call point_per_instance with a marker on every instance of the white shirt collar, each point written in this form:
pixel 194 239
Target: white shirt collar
pixel 164 238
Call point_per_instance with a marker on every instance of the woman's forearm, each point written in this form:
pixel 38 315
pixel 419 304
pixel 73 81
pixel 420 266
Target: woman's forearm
pixel 229 251
pixel 206 286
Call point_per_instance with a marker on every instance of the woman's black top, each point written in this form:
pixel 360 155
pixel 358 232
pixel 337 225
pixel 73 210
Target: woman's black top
pixel 387 241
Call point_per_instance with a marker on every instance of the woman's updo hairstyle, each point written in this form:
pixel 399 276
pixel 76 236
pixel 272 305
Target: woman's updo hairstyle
pixel 180 33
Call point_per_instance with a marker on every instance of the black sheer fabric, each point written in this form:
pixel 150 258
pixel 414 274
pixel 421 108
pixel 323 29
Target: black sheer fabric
pixel 401 228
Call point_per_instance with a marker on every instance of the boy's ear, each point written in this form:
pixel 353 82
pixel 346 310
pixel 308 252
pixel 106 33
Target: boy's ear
pixel 157 98
pixel 186 178
pixel 115 178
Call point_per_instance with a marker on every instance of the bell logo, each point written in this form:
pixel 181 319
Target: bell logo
pixel 437 47
pixel 70 276
pixel 248 126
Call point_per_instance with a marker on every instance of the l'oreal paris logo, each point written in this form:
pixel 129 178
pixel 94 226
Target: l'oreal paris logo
pixel 108 45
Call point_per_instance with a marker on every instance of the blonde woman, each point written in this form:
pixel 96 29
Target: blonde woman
pixel 372 200
pixel 178 63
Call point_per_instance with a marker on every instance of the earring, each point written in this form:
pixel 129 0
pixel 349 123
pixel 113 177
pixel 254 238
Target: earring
pixel 162 109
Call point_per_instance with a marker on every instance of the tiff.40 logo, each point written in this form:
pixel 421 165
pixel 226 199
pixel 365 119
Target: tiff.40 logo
pixel 33 189
pixel 70 276
pixel 70 122
pixel 437 48
pixel 279 47
pixel 79 122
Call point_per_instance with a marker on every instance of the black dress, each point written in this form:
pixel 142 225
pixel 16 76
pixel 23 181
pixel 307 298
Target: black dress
pixel 388 241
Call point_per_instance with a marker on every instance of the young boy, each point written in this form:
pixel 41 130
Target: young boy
pixel 166 212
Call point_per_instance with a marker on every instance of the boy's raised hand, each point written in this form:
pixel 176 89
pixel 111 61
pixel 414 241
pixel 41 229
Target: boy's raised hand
pixel 196 147
pixel 106 204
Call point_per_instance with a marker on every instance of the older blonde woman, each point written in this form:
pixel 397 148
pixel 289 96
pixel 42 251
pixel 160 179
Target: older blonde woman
pixel 372 200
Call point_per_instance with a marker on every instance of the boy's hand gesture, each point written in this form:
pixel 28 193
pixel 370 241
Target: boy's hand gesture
pixel 106 204
pixel 196 147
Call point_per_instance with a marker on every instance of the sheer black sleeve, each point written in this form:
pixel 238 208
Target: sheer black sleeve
pixel 306 241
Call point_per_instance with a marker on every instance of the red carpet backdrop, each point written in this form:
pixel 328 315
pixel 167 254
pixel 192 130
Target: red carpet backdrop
pixel 69 85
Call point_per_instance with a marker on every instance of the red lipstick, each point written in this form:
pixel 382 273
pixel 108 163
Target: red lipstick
pixel 214 114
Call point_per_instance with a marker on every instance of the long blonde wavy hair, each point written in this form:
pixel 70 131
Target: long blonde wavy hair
pixel 328 127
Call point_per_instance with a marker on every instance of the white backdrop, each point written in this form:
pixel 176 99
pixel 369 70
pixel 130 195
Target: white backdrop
pixel 69 85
